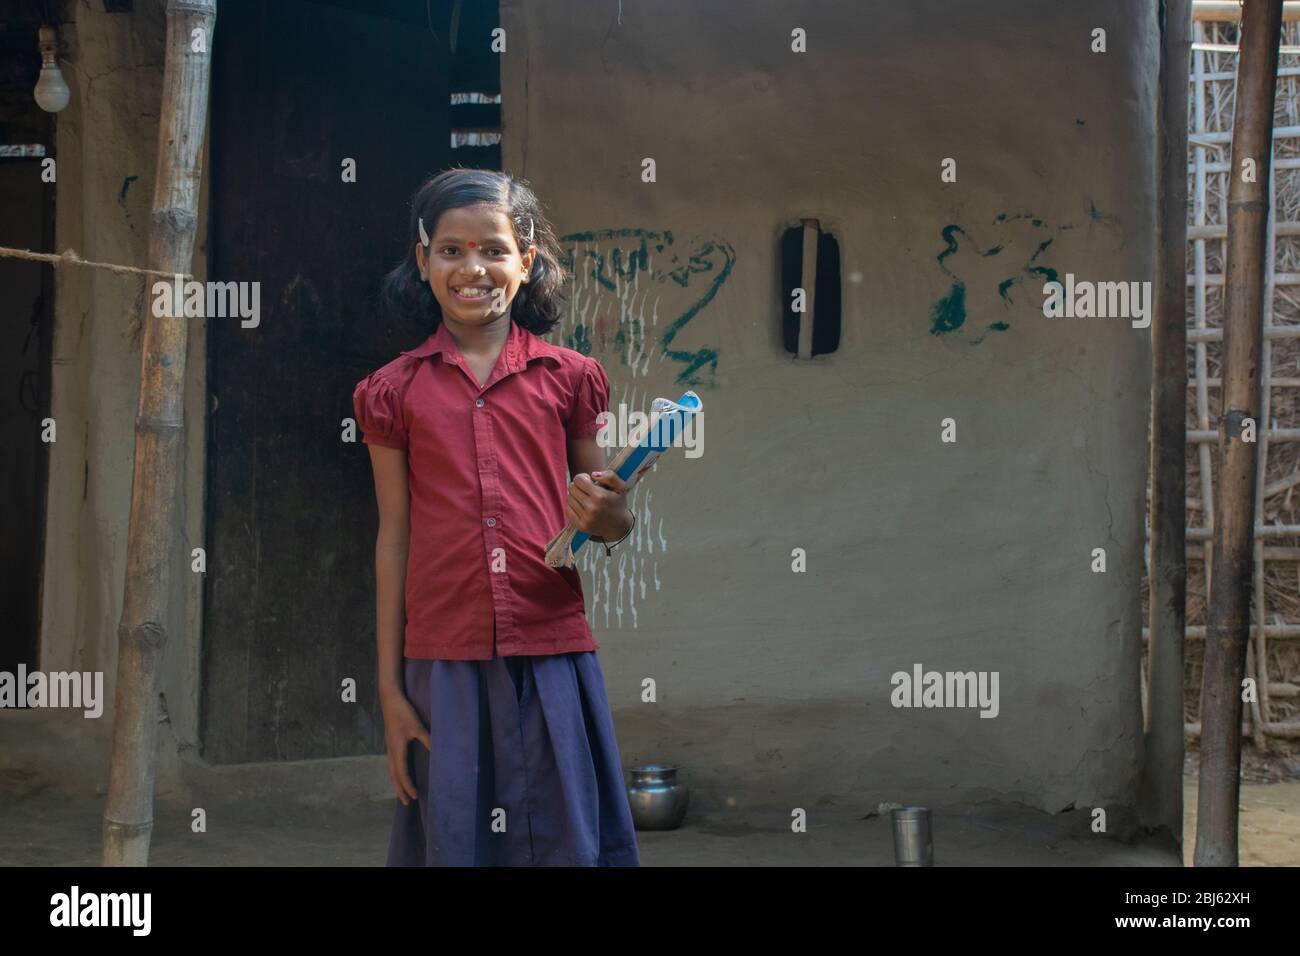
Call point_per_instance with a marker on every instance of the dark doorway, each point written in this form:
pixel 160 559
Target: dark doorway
pixel 299 87
pixel 24 368
pixel 26 336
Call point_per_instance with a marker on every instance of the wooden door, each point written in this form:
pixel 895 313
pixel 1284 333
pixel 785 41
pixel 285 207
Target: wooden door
pixel 299 88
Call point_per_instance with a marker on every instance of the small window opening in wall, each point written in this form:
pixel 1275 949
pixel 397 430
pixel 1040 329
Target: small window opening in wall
pixel 810 288
pixel 476 119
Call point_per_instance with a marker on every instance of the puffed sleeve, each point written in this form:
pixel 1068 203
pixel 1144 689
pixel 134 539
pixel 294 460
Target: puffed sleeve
pixel 592 399
pixel 379 412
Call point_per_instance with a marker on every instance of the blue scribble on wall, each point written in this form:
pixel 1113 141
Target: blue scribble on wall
pixel 951 312
pixel 616 261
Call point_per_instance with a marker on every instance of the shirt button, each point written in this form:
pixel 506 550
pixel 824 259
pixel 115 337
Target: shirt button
pixel 479 403
pixel 491 522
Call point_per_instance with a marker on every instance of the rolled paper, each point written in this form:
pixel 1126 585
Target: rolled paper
pixel 667 420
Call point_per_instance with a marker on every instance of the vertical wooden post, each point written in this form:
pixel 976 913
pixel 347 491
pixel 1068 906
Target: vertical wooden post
pixel 1228 628
pixel 159 428
pixel 1199 310
pixel 1256 653
pixel 1163 764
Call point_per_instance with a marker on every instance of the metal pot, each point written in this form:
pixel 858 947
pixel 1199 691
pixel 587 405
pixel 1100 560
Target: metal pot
pixel 658 801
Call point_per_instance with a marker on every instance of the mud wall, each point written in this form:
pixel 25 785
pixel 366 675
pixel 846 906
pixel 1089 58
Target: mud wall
pixel 966 555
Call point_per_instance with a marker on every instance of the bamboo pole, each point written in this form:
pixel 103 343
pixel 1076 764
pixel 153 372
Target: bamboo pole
pixel 1274 555
pixel 1289 729
pixel 1274 434
pixel 1163 765
pixel 1256 655
pixel 159 428
pixel 1198 300
pixel 1229 614
pixel 1267 530
pixel 1230 10
pixel 1278 632
pixel 1221 232
pixel 1282 279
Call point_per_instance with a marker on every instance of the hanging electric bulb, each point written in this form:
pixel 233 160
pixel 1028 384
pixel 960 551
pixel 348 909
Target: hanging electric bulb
pixel 52 93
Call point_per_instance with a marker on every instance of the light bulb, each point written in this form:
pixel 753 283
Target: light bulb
pixel 52 93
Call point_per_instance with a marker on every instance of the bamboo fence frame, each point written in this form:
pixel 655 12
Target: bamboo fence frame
pixel 1273 658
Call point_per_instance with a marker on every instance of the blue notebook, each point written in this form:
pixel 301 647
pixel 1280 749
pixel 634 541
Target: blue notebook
pixel 668 420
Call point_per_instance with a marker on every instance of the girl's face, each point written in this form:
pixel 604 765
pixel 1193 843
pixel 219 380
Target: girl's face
pixel 473 265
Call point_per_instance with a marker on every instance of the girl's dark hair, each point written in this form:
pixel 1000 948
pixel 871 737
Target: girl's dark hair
pixel 537 305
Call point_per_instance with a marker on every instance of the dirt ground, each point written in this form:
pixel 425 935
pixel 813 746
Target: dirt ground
pixel 338 813
pixel 1269 832
pixel 43 825
pixel 1269 829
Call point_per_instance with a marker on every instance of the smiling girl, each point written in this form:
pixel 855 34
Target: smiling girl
pixel 489 682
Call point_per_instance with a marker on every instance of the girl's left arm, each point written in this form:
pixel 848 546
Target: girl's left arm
pixel 597 502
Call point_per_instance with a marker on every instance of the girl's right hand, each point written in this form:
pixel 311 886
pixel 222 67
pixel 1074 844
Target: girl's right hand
pixel 401 726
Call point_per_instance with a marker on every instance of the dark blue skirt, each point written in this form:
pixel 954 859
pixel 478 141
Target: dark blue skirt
pixel 524 771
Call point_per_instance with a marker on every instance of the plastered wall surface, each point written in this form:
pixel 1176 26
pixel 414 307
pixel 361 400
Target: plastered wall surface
pixel 107 152
pixel 965 556
pixel 974 555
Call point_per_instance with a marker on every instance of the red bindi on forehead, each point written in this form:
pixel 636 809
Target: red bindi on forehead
pixel 471 243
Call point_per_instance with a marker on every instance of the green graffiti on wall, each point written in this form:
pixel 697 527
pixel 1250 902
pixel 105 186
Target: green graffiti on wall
pixel 614 260
pixel 952 312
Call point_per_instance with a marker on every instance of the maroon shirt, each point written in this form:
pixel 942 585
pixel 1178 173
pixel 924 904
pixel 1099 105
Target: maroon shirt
pixel 488 474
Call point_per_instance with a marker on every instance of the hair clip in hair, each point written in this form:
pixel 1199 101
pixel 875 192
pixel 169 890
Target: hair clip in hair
pixel 530 230
pixel 424 236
